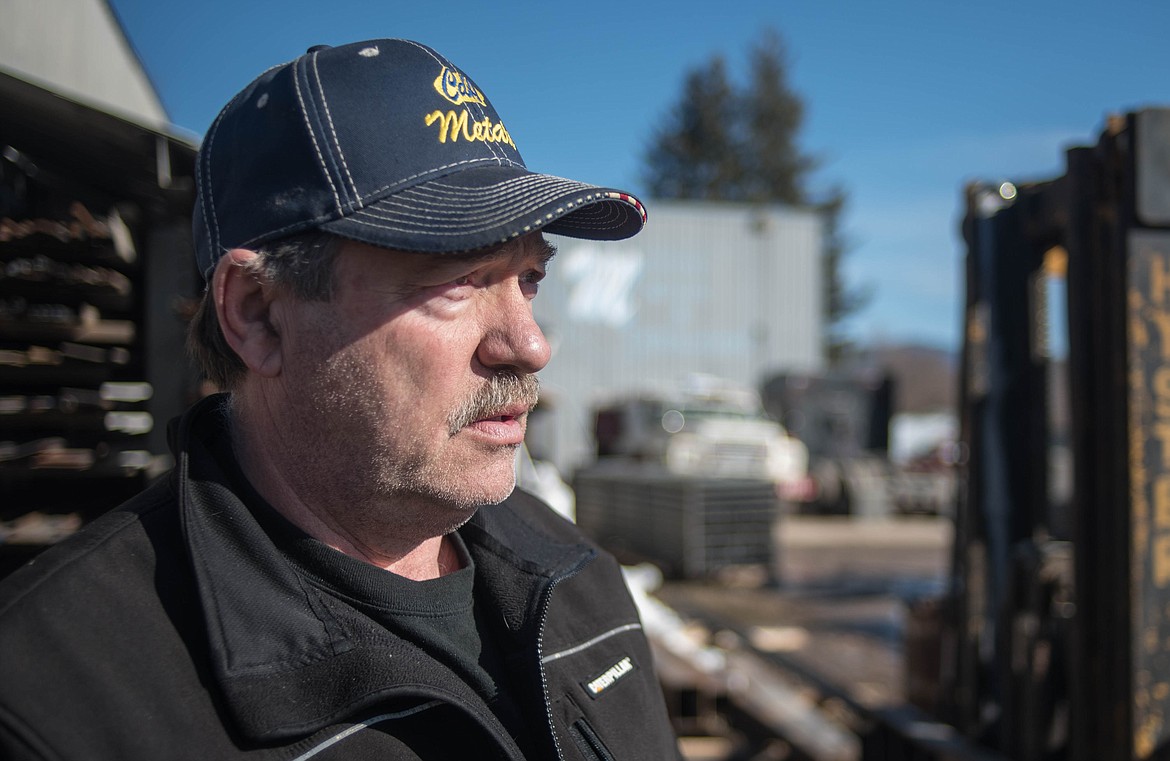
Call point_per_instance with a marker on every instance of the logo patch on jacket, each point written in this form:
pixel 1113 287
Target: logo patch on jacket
pixel 608 678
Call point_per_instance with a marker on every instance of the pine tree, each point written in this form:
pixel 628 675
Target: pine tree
pixel 696 154
pixel 728 143
pixel 774 114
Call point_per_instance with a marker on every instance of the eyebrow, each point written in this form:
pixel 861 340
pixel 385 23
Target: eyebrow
pixel 545 253
pixel 436 265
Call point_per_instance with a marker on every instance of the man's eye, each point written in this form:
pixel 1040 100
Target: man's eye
pixel 530 282
pixel 465 280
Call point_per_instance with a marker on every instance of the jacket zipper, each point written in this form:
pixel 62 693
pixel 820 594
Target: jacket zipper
pixel 588 741
pixel 540 647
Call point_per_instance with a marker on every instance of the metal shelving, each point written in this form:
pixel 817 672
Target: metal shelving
pixel 95 269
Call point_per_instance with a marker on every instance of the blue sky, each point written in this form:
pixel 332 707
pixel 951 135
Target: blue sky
pixel 905 101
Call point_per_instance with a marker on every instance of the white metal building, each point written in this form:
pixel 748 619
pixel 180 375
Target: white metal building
pixel 77 49
pixel 727 290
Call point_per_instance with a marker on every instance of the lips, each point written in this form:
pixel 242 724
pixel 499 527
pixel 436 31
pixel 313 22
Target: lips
pixel 501 428
pixel 503 401
pixel 509 414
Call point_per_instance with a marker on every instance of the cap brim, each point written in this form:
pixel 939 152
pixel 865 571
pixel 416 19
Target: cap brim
pixel 484 206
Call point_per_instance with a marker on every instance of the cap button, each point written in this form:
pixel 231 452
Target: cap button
pixel 317 48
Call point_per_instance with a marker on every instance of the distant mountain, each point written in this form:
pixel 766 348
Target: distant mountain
pixel 925 378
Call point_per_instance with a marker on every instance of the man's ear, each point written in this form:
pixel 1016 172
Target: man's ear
pixel 243 301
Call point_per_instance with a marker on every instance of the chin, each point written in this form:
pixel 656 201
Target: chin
pixel 494 479
pixel 495 495
pixel 470 495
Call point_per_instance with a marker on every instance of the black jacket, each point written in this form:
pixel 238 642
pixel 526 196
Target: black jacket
pixel 152 634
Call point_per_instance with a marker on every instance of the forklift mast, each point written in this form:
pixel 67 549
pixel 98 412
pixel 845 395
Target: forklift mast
pixel 1057 642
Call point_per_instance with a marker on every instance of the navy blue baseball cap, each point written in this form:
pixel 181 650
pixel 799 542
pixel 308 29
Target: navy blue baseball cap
pixel 385 142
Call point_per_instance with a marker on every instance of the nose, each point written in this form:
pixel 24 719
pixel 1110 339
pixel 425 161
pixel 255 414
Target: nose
pixel 512 340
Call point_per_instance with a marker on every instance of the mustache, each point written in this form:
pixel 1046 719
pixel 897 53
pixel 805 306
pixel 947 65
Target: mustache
pixel 502 390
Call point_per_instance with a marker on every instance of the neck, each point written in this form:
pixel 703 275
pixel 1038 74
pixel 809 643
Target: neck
pixel 371 534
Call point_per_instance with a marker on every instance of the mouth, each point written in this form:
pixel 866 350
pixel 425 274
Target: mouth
pixel 508 415
pixel 498 409
pixel 504 427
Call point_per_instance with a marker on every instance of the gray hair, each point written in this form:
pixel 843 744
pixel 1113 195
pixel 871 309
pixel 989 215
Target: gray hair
pixel 301 263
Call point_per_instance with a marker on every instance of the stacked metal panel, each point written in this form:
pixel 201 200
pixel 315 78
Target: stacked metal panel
pixel 690 527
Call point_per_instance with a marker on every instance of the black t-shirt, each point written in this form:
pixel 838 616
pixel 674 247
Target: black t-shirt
pixel 439 615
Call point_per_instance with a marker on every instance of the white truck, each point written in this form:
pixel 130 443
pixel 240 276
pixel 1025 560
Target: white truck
pixel 691 479
pixel 712 429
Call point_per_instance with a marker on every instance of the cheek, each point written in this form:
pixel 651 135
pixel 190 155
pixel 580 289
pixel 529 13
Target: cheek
pixel 430 364
pixel 427 339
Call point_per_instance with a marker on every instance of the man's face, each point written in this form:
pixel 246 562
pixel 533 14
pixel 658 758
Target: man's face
pixel 391 381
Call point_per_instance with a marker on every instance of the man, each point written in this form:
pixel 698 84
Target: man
pixel 326 573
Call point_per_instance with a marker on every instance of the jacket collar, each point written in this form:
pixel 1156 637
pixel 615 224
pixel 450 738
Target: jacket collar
pixel 285 664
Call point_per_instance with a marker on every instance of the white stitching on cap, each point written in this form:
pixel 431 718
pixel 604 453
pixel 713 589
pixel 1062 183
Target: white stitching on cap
pixel 371 215
pixel 439 210
pixel 332 130
pixel 434 56
pixel 203 180
pixel 402 210
pixel 312 135
pixel 606 219
pixel 210 219
pixel 501 157
pixel 416 175
pixel 421 203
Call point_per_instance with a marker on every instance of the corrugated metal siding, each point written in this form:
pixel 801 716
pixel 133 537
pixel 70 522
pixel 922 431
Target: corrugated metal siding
pixel 727 290
pixel 77 48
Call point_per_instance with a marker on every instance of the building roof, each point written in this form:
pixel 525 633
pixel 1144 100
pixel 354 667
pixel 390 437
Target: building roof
pixel 78 49
pixel 44 132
